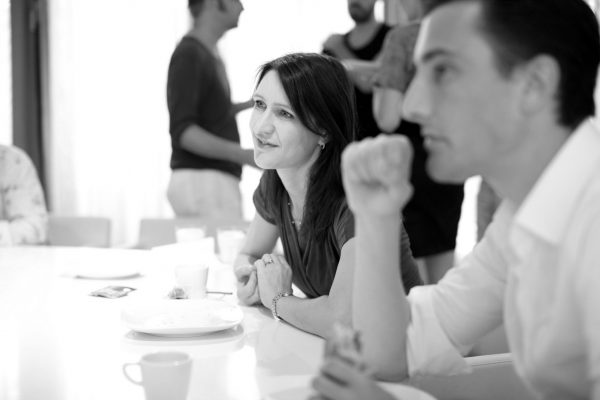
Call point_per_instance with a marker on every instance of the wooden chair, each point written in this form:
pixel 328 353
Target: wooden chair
pixel 79 231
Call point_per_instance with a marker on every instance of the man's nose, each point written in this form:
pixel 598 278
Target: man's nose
pixel 416 107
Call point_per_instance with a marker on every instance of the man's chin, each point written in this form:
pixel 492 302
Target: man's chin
pixel 443 174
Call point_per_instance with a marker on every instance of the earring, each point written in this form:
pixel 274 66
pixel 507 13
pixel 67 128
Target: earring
pixel 322 146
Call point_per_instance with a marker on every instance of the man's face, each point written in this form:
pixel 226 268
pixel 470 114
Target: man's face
pixel 468 111
pixel 232 10
pixel 361 10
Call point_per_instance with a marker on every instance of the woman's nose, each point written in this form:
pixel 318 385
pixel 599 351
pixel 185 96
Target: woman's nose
pixel 261 123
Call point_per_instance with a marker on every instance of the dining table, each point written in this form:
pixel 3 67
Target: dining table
pixel 60 342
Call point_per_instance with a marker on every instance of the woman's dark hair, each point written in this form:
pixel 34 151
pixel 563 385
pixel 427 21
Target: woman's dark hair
pixel 566 30
pixel 322 96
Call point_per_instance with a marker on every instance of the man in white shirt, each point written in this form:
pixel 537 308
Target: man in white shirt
pixel 504 89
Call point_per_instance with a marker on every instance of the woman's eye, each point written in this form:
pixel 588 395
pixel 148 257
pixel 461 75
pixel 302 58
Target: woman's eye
pixel 259 104
pixel 285 114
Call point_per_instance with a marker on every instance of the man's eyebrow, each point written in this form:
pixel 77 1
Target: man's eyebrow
pixel 431 54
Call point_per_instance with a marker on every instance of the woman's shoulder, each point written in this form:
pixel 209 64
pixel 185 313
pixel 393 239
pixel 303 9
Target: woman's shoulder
pixel 343 223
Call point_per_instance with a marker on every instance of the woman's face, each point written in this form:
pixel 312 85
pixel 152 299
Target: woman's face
pixel 280 140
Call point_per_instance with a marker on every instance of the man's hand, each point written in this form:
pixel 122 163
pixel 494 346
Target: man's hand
pixel 248 158
pixel 341 381
pixel 376 175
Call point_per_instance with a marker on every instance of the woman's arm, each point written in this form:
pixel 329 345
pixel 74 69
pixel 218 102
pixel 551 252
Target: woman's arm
pixel 260 239
pixel 317 315
pixel 238 107
pixel 387 108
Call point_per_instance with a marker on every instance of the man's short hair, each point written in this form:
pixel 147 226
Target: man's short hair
pixel 566 30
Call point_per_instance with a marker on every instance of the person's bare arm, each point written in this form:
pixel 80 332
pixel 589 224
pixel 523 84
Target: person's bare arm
pixel 387 108
pixel 238 107
pixel 260 239
pixel 316 315
pixel 376 180
pixel 199 141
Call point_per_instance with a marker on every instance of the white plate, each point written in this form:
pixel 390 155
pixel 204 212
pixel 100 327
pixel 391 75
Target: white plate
pixel 168 317
pixel 95 263
pixel 107 272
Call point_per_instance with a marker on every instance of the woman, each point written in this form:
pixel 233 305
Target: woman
pixel 303 117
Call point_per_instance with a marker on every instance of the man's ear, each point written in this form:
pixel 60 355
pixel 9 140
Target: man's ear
pixel 541 83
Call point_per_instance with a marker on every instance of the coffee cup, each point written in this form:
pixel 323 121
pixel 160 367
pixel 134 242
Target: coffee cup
pixel 164 375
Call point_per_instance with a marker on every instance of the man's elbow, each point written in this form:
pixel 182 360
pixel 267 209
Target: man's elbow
pixel 387 123
pixel 386 369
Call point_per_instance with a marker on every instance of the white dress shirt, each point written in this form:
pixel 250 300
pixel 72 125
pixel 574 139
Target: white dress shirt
pixel 538 269
pixel 23 215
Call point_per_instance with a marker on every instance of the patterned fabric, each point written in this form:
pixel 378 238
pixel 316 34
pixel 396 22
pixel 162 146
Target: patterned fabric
pixel 397 68
pixel 23 215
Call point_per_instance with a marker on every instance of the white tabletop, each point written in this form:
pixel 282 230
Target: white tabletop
pixel 59 343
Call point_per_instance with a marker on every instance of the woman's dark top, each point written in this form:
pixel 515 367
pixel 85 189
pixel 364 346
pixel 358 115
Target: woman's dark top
pixel 314 263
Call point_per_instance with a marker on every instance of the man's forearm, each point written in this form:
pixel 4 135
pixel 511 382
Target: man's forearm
pixel 380 308
pixel 199 141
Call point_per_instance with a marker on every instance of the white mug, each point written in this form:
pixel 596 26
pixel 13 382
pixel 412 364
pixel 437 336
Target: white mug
pixel 165 375
pixel 189 234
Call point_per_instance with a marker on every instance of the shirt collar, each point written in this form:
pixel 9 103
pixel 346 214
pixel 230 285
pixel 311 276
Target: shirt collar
pixel 547 209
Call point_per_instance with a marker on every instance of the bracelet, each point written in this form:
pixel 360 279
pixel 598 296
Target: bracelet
pixel 277 297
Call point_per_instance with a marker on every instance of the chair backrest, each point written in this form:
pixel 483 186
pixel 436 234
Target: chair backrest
pixel 79 231
pixel 161 231
pixel 493 378
pixel 494 342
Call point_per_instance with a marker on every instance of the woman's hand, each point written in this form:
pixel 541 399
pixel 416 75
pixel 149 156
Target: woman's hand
pixel 340 381
pixel 247 285
pixel 274 276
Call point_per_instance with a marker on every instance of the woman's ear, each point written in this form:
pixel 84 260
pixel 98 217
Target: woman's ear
pixel 323 140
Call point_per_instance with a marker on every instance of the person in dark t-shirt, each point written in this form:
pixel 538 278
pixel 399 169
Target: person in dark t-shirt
pixel 207 158
pixel 303 118
pixel 357 49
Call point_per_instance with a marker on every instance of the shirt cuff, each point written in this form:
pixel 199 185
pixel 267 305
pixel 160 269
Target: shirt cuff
pixel 429 351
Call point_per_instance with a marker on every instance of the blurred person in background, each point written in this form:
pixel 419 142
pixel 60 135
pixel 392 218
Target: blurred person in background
pixel 23 214
pixel 207 158
pixel 304 116
pixel 356 49
pixel 432 214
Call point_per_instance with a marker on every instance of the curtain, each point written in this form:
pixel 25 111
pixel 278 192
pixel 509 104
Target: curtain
pixel 5 74
pixel 108 144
